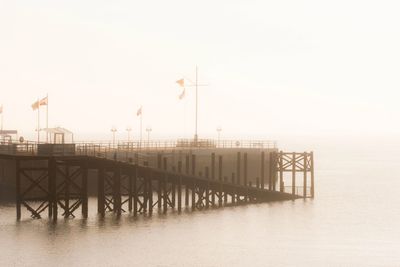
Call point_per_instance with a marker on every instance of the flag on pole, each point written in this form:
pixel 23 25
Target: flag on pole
pixel 181 82
pixel 44 101
pixel 35 105
pixel 139 112
pixel 182 95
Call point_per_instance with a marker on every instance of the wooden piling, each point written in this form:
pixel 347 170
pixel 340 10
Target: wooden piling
pixel 18 188
pixel 262 169
pixel 180 186
pixel 238 159
pixel 135 190
pixel 66 190
pixel 207 188
pixel 53 190
pixel 85 189
pixel 187 163
pixel 304 175
pixel 100 192
pixel 281 183
pixel 245 168
pixel 149 173
pixel 193 182
pixel 293 174
pixel 220 180
pixel 117 189
pixel 165 191
pixel 312 173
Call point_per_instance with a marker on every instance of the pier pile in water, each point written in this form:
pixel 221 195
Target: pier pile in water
pixel 60 184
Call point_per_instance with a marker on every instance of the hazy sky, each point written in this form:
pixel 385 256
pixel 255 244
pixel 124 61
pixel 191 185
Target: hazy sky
pixel 272 66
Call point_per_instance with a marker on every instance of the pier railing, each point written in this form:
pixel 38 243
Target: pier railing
pixel 105 148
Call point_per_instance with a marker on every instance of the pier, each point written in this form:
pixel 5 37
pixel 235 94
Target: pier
pixel 145 178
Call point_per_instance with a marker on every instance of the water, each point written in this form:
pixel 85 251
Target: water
pixel 353 221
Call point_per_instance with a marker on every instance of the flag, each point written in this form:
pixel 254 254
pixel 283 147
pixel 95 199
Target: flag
pixel 44 101
pixel 35 105
pixel 139 112
pixel 1 109
pixel 182 95
pixel 181 82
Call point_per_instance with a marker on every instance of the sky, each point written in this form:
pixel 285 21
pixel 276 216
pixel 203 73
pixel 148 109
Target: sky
pixel 271 67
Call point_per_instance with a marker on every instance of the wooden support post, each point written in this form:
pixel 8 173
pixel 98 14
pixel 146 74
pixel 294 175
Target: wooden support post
pixel 100 192
pixel 150 189
pixel 220 180
pixel 312 173
pixel 165 192
pixel 130 190
pixel 293 174
pixel 272 168
pixel 85 200
pixel 245 169
pixel 117 189
pixel 224 191
pixel 173 189
pixel 207 188
pixel 281 183
pixel 212 166
pixel 233 195
pixel 262 169
pixel 187 163
pixel 193 182
pixel 53 191
pixel 18 188
pixel 304 175
pixel 238 159
pixel 180 186
pixel 159 161
pixel 135 189
pixel 258 182
pixel 66 190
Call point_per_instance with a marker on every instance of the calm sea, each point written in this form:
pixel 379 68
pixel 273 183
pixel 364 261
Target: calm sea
pixel 353 221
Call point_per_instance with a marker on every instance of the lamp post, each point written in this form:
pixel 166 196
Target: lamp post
pixel 113 130
pixel 129 129
pixel 219 130
pixel 148 130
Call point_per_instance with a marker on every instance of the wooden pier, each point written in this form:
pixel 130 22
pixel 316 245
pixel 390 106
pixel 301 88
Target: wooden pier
pixel 60 185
